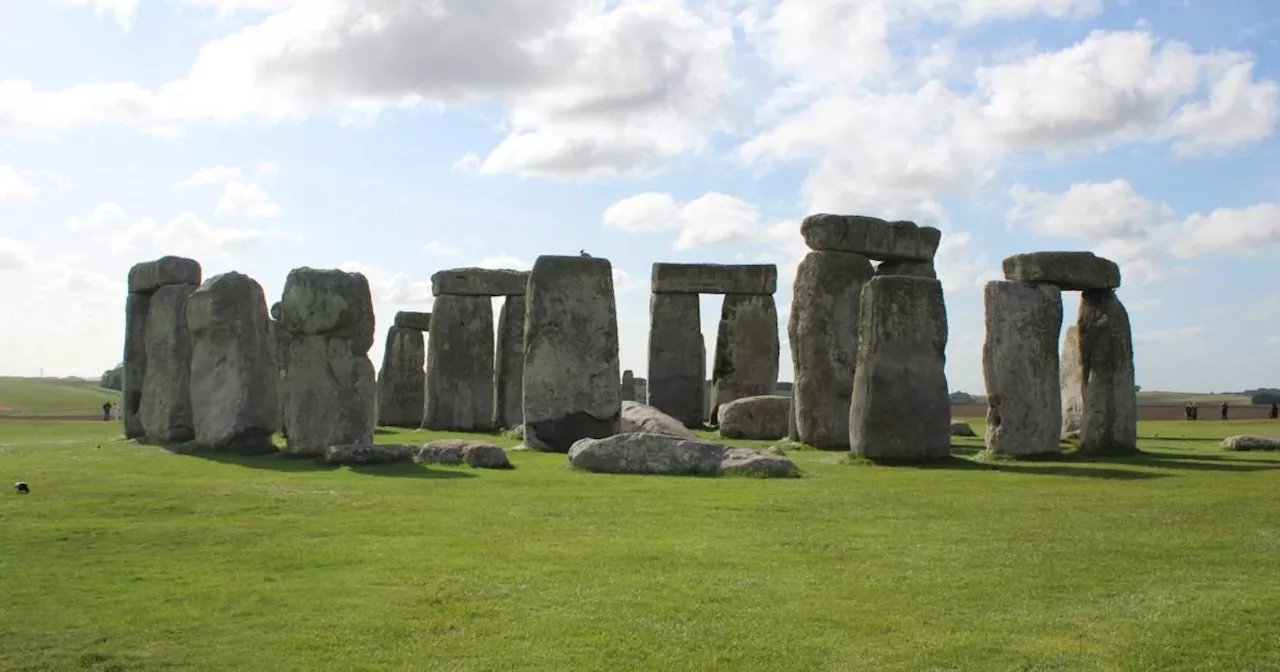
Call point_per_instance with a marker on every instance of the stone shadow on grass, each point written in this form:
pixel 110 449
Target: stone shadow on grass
pixel 407 470
pixel 284 462
pixel 1188 463
pixel 1059 469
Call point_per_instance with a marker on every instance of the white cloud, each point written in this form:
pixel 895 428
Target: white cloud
pixel 504 261
pixel 392 288
pixel 623 282
pixel 959 267
pixel 15 184
pixel 15 256
pixel 1179 334
pixel 185 234
pixel 466 163
pixel 711 219
pixel 122 10
pixel 227 8
pixel 240 197
pixel 440 250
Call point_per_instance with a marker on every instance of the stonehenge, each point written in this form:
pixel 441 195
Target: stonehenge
pixel 1103 375
pixel 281 337
pixel 508 370
pixel 1020 368
pixel 157 350
pixel 402 380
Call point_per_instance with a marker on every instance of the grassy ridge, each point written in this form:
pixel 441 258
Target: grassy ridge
pixel 135 558
pixel 37 396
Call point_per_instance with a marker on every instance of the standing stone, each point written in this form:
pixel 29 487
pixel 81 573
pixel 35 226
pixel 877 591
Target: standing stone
pixel 1110 420
pixel 1020 367
pixel 135 362
pixel 677 368
pixel 823 330
pixel 281 336
pixel 793 434
pixel 402 382
pixel 919 269
pixel 1073 382
pixel 460 364
pixel 900 409
pixel 331 385
pixel 628 385
pixel 508 372
pixel 571 370
pixel 747 349
pixel 234 374
pixel 165 410
pixel 170 418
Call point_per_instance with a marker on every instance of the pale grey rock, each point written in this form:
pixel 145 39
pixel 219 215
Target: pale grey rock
pixel 793 433
pixel 460 365
pixel 479 282
pixel 1071 271
pixel 476 454
pixel 1251 443
pixel 412 320
pixel 747 462
pixel 234 370
pixel 714 278
pixel 402 380
pixel 644 453
pixel 823 331
pixel 871 237
pixel 165 408
pixel 1072 376
pixel 508 372
pixel 900 410
pixel 571 371
pixel 1020 368
pixel 148 276
pixel 1110 420
pixel 329 302
pixel 677 368
pixel 369 453
pixel 135 363
pixel 917 269
pixel 628 386
pixel 280 335
pixel 747 350
pixel 760 418
pixel 637 417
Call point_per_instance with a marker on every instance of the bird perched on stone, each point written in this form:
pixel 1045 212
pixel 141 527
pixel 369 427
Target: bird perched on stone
pixel 584 253
pixel 21 488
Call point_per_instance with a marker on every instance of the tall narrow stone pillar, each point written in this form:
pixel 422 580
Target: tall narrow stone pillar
pixel 747 349
pixel 1102 378
pixel 1020 367
pixel 402 380
pixel 157 366
pixel 676 350
pixel 460 364
pixel 508 373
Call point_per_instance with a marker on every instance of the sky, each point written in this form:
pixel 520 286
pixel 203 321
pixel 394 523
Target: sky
pixel 402 137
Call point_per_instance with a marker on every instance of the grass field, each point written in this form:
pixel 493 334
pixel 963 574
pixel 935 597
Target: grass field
pixel 129 557
pixel 52 396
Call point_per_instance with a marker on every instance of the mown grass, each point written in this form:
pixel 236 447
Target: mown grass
pixel 132 557
pixel 37 396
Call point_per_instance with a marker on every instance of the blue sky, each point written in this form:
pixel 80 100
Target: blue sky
pixel 400 138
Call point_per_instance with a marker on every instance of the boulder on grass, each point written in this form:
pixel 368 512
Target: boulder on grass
pixel 642 453
pixel 476 454
pixel 638 417
pixel 1251 443
pixel 760 418
pixel 368 453
pixel 961 429
pixel 747 462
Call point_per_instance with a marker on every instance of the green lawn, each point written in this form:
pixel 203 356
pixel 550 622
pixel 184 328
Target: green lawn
pixel 131 557
pixel 52 396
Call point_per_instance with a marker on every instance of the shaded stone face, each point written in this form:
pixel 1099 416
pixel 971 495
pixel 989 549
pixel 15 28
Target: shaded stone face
pixel 148 276
pixel 479 282
pixel 1070 271
pixel 276 310
pixel 900 410
pixel 747 350
pixel 1020 367
pixel 917 269
pixel 460 364
pixel 823 331
pixel 411 320
pixel 571 372
pixel 402 380
pixel 508 373
pixel 1109 425
pixel 234 371
pixel 165 408
pixel 677 368
pixel 135 362
pixel 714 279
pixel 628 385
pixel 169 418
pixel 871 237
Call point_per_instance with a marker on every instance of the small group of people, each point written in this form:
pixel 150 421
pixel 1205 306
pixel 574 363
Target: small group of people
pixel 110 411
pixel 1193 412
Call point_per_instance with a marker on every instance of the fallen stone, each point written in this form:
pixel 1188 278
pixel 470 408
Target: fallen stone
pixel 1070 271
pixel 402 380
pixel 479 282
pixel 1110 421
pixel 871 237
pixel 508 368
pixel 747 462
pixel 757 418
pixel 747 350
pixel 411 320
pixel 915 269
pixel 637 417
pixel 1020 368
pixel 714 279
pixel 1251 443
pixel 642 453
pixel 165 409
pixel 476 454
pixel 148 276
pixel 369 453
pixel 962 429
pixel 677 368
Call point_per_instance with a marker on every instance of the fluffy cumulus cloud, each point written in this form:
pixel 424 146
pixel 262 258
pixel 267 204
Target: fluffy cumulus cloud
pixel 120 11
pixel 241 196
pixel 121 233
pixel 711 219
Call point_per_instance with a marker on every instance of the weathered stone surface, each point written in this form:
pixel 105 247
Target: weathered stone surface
pixel 1251 443
pixel 234 371
pixel 165 409
pixel 793 433
pixel 412 320
pixel 962 429
pixel 402 380
pixel 1071 374
pixel 280 335
pixel 643 453
pixel 329 380
pixel 1109 424
pixel 677 368
pixel 823 330
pixel 135 362
pixel 148 276
pixel 763 418
pixel 1020 368
pixel 571 371
pixel 714 279
pixel 747 350
pixel 637 417
pixel 479 282
pixel 328 302
pixel 277 309
pixel 747 462
pixel 916 269
pixel 460 364
pixel 628 385
pixel 900 409
pixel 369 453
pixel 508 372
pixel 477 454
pixel 1072 271
pixel 871 237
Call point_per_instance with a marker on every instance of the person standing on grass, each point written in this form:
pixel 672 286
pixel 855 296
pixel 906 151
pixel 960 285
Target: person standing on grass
pixel 1187 410
pixel 1224 410
pixel 106 411
pixel 1195 411
pixel 1275 411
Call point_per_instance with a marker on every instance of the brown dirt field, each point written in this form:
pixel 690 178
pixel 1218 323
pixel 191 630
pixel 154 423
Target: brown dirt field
pixel 1149 412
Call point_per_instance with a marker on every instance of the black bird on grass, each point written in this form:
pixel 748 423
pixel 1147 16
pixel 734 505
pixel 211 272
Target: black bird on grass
pixel 21 488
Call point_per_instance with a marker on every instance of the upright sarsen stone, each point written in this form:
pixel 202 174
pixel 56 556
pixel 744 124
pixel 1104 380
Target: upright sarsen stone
pixel 677 365
pixel 1110 420
pixel 135 362
pixel 508 372
pixel 165 409
pixel 1020 367
pixel 1073 382
pixel 460 364
pixel 402 382
pixel 747 350
pixel 571 370
pixel 900 410
pixel 823 330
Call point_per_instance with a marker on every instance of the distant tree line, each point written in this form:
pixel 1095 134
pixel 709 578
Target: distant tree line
pixel 113 379
pixel 1263 396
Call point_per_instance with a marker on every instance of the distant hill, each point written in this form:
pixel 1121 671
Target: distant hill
pixel 53 396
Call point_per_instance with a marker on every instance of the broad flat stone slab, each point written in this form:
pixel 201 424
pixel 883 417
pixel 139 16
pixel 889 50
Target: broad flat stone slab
pixel 747 350
pixel 412 320
pixel 1251 443
pixel 757 418
pixel 643 453
pixel 402 380
pixel 871 237
pixel 1020 368
pixel 747 462
pixel 1070 271
pixel 165 409
pixel 369 453
pixel 148 276
pixel 677 366
pixel 476 454
pixel 714 278
pixel 479 282
pixel 460 364
pixel 508 366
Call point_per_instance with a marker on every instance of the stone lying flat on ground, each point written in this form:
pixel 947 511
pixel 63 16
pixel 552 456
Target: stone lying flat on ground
pixel 479 282
pixel 148 276
pixel 477 454
pixel 411 320
pixel 917 269
pixel 747 462
pixel 962 429
pixel 638 417
pixel 369 453
pixel 871 237
pixel 761 418
pixel 714 279
pixel 659 454
pixel 1020 368
pixel 1251 443
pixel 1070 271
